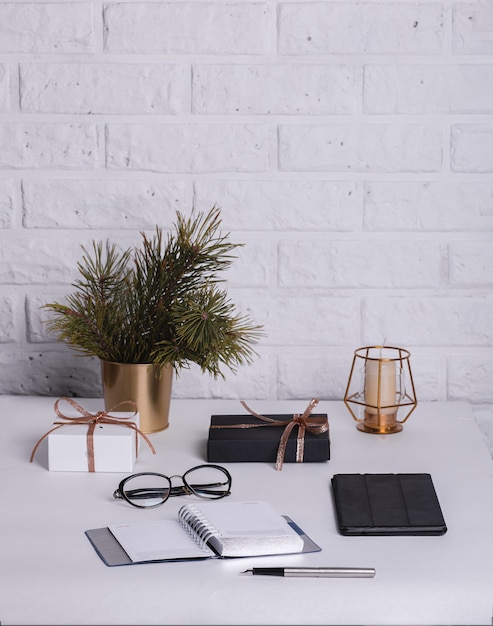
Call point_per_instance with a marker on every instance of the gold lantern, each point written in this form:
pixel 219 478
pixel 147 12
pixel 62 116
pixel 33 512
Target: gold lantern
pixel 380 389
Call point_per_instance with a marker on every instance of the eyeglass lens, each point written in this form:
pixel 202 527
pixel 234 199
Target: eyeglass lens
pixel 147 490
pixel 151 489
pixel 208 481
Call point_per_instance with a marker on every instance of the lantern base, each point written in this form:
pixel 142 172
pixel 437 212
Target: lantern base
pixel 380 424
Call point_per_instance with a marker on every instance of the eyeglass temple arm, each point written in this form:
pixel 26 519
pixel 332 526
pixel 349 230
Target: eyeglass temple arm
pixel 144 492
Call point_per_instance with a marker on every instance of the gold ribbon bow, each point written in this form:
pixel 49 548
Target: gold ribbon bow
pixel 91 419
pixel 314 425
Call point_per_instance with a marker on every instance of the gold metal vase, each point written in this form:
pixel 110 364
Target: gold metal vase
pixel 145 384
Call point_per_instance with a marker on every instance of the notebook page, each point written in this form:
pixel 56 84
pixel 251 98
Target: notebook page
pixel 154 540
pixel 245 528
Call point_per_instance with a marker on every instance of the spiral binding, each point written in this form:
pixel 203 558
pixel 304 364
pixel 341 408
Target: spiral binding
pixel 196 524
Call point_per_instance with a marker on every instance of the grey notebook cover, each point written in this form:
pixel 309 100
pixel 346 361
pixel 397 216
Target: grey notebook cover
pixel 387 504
pixel 112 554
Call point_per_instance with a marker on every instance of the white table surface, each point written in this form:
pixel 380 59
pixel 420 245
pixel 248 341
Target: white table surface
pixel 50 574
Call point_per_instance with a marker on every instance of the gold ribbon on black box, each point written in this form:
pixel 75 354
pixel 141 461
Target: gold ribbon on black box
pixel 304 421
pixel 91 420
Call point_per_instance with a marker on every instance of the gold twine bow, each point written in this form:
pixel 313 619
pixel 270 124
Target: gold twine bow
pixel 313 424
pixel 91 419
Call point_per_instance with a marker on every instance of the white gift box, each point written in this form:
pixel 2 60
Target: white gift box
pixel 115 445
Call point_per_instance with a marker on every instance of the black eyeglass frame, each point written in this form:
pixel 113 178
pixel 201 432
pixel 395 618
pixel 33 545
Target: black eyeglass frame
pixel 185 489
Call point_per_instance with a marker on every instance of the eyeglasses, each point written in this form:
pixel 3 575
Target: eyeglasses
pixel 150 489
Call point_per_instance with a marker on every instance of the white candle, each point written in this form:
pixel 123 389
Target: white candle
pixel 380 386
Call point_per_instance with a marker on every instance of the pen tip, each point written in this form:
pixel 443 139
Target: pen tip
pixel 247 571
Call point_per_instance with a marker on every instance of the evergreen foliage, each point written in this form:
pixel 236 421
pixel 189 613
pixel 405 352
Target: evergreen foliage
pixel 160 303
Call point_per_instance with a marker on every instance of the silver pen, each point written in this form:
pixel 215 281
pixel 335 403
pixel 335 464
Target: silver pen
pixel 313 572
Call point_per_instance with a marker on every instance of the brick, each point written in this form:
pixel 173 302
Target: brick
pixel 473 27
pixel 49 373
pixel 36 317
pixel 428 89
pixel 111 88
pixel 430 321
pixel 469 378
pixel 46 27
pixel 252 264
pixel 275 89
pixel 8 324
pixel 472 148
pixel 95 203
pixel 47 145
pixel 39 259
pixel 360 147
pixel 188 147
pixel 360 28
pixel 186 27
pixel 428 206
pixel 312 374
pixel 7 202
pixel 359 263
pixel 257 380
pixel 5 80
pixel 283 205
pixel 471 263
pixel 307 320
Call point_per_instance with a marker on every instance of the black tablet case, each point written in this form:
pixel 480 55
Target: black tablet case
pixel 387 504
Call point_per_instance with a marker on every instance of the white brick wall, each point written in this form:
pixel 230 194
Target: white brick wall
pixel 349 145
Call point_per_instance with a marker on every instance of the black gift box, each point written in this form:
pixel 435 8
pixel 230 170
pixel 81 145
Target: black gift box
pixel 260 444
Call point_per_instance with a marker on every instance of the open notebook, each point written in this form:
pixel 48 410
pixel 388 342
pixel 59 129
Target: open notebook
pixel 204 530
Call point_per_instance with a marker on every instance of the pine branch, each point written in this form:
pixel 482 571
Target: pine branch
pixel 159 303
